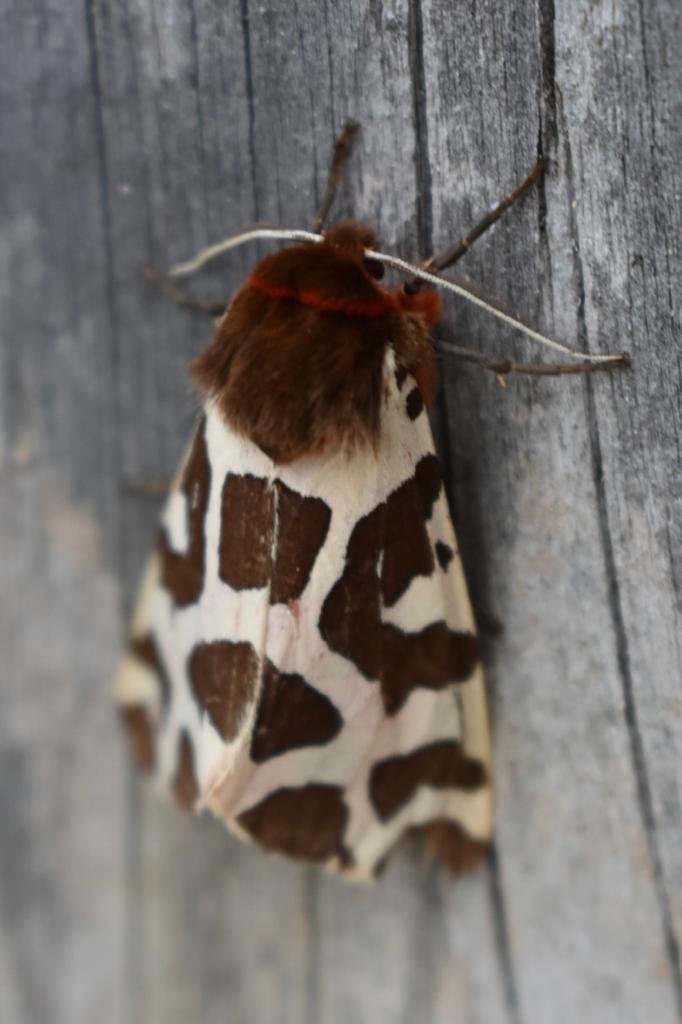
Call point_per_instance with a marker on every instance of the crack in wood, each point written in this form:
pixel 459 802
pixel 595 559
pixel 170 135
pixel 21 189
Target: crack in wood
pixel 250 100
pixel 421 129
pixel 502 943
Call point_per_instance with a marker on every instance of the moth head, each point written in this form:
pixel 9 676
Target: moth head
pixel 333 276
pixel 350 239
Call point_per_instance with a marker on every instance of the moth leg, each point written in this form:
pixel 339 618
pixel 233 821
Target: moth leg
pixel 181 297
pixel 446 258
pixel 340 156
pixel 503 367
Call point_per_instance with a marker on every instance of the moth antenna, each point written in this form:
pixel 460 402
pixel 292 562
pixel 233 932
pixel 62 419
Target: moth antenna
pixel 342 148
pixel 293 235
pixel 458 289
pixel 251 234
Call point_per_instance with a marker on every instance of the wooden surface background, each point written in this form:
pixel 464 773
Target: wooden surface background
pixel 134 132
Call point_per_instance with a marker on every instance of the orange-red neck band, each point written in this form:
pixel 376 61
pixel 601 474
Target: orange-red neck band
pixel 382 304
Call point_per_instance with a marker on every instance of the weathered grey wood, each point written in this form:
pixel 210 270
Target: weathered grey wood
pixel 63 792
pixel 136 132
pixel 588 673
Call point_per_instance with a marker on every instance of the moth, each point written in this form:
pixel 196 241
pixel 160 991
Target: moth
pixel 303 659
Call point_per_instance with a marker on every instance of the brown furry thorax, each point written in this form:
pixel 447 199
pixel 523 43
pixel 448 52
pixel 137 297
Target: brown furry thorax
pixel 296 363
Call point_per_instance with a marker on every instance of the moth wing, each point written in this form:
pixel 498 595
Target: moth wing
pixel 303 661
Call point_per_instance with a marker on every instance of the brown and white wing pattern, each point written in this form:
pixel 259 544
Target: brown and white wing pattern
pixel 303 660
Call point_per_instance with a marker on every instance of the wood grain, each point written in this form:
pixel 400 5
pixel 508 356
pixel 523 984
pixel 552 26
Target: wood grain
pixel 134 133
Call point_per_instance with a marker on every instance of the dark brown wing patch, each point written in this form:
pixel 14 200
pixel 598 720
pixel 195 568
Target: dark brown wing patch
pixel 444 554
pixel 303 526
pixel 406 545
pixel 185 787
pixel 414 403
pixel 140 735
pixel 245 531
pixel 445 842
pixel 223 676
pixel 449 844
pixel 429 482
pixel 246 535
pixel 350 621
pixel 433 658
pixel 183 574
pixel 307 822
pixel 291 714
pixel 394 781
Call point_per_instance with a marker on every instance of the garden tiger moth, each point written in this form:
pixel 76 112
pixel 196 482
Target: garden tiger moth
pixel 303 660
pixel 304 623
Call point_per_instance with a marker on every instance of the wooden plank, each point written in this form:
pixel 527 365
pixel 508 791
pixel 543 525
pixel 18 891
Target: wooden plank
pixel 578 864
pixel 62 800
pixel 633 244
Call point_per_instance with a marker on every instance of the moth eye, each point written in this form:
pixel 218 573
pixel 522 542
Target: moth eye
pixel 374 269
